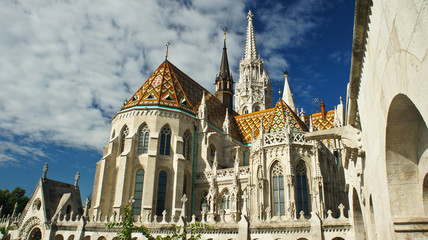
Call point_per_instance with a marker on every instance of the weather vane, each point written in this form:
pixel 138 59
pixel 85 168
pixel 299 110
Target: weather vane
pixel 316 100
pixel 167 46
pixel 224 30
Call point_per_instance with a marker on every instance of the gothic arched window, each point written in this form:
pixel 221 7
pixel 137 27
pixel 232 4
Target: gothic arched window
pixel 302 188
pixel 186 145
pixel 165 141
pixel 143 139
pixel 226 202
pixel 160 203
pixel 125 132
pixel 245 110
pixel 278 190
pixel 138 192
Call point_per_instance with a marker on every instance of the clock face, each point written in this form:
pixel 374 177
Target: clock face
pixel 157 80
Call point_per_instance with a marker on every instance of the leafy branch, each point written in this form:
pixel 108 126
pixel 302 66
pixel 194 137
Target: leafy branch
pixel 194 230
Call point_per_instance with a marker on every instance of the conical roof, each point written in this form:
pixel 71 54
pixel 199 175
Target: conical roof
pixel 168 86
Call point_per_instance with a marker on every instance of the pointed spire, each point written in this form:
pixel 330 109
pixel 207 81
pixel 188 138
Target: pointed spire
pixel 250 48
pixel 224 66
pixel 286 94
pixel 226 123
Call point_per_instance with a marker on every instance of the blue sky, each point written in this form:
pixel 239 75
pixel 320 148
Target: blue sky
pixel 67 66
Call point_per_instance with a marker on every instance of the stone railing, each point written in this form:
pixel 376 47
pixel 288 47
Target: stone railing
pixel 283 137
pixel 224 173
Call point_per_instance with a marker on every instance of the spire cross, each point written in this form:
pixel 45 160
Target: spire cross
pixel 224 31
pixel 285 73
pixel 279 88
pixel 316 100
pixel 167 47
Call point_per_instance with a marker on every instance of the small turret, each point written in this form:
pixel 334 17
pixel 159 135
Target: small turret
pixel 224 80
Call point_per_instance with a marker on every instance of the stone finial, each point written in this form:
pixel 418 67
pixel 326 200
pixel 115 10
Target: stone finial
pixel 341 209
pixel 45 170
pixel 267 214
pixel 85 213
pixel 302 215
pixel 183 211
pixel 164 216
pixel 76 179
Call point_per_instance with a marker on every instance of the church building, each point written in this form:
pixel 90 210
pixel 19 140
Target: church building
pixel 250 166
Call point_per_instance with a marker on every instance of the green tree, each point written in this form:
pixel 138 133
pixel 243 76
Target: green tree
pixel 8 200
pixel 190 231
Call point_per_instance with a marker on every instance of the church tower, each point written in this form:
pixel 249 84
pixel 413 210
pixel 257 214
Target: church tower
pixel 254 89
pixel 224 80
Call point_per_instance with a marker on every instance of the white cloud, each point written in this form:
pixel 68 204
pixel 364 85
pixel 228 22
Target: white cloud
pixel 66 66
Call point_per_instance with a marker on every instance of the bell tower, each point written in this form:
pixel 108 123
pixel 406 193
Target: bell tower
pixel 224 80
pixel 254 89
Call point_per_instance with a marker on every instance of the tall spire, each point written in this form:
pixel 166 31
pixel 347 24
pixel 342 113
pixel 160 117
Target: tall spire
pixel 224 66
pixel 224 80
pixel 286 94
pixel 250 48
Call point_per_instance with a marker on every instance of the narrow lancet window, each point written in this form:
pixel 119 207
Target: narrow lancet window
pixel 302 188
pixel 186 145
pixel 278 190
pixel 143 141
pixel 165 141
pixel 160 203
pixel 138 192
pixel 125 132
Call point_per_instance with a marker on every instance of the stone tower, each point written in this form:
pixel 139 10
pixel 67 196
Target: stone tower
pixel 254 89
pixel 224 80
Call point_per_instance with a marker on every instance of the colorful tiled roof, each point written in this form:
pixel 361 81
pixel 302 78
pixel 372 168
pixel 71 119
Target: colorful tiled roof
pixel 248 123
pixel 274 120
pixel 169 86
pixel 282 114
pixel 319 123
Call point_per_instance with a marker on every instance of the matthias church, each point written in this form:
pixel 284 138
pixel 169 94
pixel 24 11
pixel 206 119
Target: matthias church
pixel 255 167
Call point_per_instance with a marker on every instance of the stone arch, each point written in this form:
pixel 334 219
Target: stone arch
pixel 256 107
pixel 244 110
pixel 115 238
pixel 337 238
pixel 59 237
pixel 102 238
pixel 71 237
pixel 35 234
pixel 87 237
pixel 359 228
pixel 406 146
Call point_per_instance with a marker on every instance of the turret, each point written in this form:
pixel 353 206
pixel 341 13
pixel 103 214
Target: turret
pixel 224 80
